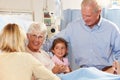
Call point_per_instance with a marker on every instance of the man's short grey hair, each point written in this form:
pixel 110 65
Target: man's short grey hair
pixel 39 27
pixel 91 2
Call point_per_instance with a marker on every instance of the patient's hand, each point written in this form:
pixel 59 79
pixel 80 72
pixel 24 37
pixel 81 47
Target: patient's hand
pixel 58 69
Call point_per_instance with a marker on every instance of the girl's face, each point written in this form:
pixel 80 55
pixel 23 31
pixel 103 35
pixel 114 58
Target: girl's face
pixel 60 50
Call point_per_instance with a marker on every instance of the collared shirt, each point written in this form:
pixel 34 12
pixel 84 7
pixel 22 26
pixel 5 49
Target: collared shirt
pixel 43 57
pixel 96 47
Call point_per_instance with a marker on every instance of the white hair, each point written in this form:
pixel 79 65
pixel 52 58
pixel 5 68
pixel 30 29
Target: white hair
pixel 39 27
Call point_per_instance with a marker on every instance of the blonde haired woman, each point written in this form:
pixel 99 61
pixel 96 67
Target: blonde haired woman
pixel 15 64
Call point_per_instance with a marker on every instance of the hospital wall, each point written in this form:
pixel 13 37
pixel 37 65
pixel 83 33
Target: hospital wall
pixel 34 6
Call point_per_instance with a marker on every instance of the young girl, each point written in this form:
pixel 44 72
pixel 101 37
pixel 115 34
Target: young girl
pixel 59 49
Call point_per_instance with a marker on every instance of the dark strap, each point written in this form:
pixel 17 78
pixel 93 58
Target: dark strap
pixel 106 68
